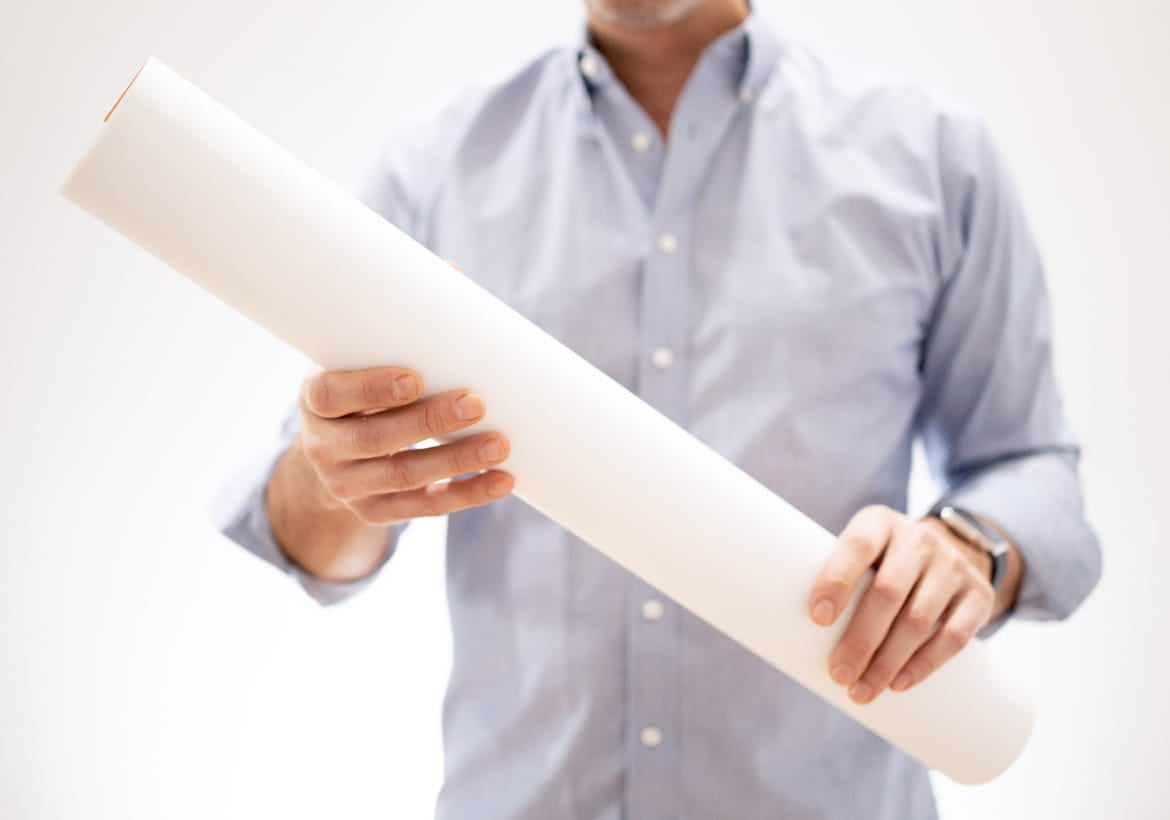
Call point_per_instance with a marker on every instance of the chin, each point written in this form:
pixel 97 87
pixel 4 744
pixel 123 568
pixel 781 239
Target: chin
pixel 641 13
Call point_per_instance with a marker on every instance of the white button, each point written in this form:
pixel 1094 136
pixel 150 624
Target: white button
pixel 746 95
pixel 652 609
pixel 668 243
pixel 651 736
pixel 663 357
pixel 640 141
pixel 589 66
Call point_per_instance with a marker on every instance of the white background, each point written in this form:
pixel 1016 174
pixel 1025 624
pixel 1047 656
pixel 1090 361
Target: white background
pixel 150 669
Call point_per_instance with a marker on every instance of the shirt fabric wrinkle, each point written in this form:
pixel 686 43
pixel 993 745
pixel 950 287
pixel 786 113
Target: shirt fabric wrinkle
pixel 770 281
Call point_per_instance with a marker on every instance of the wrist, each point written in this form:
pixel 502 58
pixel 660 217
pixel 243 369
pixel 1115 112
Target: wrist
pixel 1009 573
pixel 314 531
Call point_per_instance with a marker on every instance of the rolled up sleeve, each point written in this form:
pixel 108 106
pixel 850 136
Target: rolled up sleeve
pixel 992 421
pixel 240 513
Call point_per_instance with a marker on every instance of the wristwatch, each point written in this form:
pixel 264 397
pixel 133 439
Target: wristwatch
pixel 977 534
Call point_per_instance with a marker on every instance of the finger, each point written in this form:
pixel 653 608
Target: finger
pixel 386 433
pixel 856 550
pixel 411 469
pixel 333 394
pixel 435 499
pixel 902 565
pixel 916 621
pixel 968 614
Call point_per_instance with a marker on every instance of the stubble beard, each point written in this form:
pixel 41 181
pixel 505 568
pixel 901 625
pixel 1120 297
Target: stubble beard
pixel 642 13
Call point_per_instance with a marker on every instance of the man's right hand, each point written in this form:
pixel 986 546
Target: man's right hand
pixel 350 473
pixel 356 430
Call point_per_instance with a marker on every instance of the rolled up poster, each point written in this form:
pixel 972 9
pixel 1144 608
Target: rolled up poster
pixel 200 189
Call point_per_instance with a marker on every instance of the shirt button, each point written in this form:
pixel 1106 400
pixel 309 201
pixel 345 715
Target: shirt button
pixel 652 609
pixel 651 736
pixel 663 357
pixel 640 141
pixel 746 95
pixel 668 243
pixel 589 66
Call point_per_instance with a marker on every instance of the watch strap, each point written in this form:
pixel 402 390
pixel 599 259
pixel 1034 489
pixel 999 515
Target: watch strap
pixel 966 526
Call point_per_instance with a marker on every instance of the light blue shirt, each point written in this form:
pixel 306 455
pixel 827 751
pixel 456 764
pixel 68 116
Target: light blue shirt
pixel 824 263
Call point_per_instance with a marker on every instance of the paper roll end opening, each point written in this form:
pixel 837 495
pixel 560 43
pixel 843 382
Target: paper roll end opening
pixel 73 188
pixel 124 91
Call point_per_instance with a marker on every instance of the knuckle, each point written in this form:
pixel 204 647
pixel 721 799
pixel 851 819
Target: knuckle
pixel 879 672
pixel 372 393
pixel 922 544
pixel 367 437
pixel 398 475
pixel 336 486
pixel 918 620
pixel 855 646
pixel 319 393
pixel 458 460
pixel 925 537
pixel 919 668
pixel 368 511
pixel 925 553
pixel 953 637
pixel 431 504
pixel 377 391
pixel 984 600
pixel 885 592
pixel 314 446
pixel 430 420
pixel 954 562
pixel 855 544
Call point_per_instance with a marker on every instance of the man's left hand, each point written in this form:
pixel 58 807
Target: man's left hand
pixel 931 593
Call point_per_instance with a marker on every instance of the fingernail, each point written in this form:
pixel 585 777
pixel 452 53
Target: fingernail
pixel 861 692
pixel 842 673
pixel 823 612
pixel 491 450
pixel 405 387
pixel 901 681
pixel 468 406
pixel 500 485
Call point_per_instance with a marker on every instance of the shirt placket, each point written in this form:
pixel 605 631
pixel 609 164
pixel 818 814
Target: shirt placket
pixel 652 620
pixel 653 660
pixel 636 156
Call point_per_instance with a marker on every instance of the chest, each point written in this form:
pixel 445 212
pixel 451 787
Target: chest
pixel 793 267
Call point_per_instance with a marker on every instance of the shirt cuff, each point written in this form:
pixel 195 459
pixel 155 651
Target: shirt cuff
pixel 240 513
pixel 1031 501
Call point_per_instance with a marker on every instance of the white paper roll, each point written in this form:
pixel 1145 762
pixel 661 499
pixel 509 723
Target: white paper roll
pixel 206 193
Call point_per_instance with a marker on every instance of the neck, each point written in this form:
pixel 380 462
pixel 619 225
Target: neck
pixel 654 63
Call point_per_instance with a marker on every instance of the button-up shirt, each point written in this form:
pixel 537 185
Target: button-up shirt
pixel 821 264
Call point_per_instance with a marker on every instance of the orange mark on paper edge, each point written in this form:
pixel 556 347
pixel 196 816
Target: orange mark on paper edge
pixel 123 94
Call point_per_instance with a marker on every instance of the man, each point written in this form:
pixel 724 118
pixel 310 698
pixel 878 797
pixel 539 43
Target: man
pixel 808 264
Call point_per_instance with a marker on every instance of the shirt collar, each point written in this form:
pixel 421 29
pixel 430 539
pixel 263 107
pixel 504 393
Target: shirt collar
pixel 750 51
